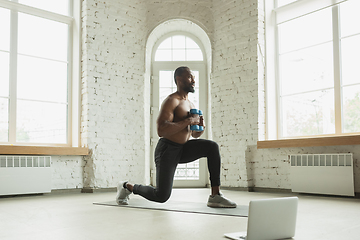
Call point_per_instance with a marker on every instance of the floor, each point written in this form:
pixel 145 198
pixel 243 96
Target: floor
pixel 73 216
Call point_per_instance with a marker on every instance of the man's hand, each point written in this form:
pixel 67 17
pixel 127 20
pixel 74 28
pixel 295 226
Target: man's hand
pixel 194 119
pixel 202 122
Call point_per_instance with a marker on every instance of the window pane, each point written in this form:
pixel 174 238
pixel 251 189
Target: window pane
pixel 351 109
pixel 40 79
pixel 178 42
pixel 166 44
pixel 178 48
pixel 191 43
pixel 306 31
pixel 350 17
pixel 196 76
pixel 308 114
pixel 179 55
pixel 163 55
pixel 42 38
pixel 39 122
pixel 194 97
pixel 163 93
pixel 307 70
pixel 194 55
pixel 166 79
pixel 4 29
pixel 4 119
pixel 350 61
pixel 4 74
pixel 61 7
pixel 187 171
pixel 166 85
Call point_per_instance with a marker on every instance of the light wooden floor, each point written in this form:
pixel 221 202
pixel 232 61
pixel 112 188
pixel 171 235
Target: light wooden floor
pixel 73 216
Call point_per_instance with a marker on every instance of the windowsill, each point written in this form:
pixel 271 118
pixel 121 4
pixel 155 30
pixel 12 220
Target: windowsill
pixel 310 142
pixel 40 150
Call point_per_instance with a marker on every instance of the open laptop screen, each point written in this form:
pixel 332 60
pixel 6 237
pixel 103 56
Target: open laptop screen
pixel 270 219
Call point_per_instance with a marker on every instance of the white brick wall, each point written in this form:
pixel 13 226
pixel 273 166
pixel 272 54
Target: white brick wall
pixel 114 37
pixel 114 94
pixel 234 86
pixel 67 172
pixel 199 11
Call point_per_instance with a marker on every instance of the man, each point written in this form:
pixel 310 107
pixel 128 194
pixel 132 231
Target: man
pixel 175 146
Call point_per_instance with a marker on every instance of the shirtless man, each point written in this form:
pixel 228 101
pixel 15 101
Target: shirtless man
pixel 174 147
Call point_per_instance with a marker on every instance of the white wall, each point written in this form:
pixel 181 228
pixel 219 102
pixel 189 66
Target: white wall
pixel 115 98
pixel 113 63
pixel 67 172
pixel 234 86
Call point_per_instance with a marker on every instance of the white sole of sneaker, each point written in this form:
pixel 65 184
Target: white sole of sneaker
pixel 120 186
pixel 122 203
pixel 219 205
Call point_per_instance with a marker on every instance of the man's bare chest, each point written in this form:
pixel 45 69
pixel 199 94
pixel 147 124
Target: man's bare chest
pixel 182 111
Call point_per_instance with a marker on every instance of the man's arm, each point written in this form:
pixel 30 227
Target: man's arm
pixel 165 125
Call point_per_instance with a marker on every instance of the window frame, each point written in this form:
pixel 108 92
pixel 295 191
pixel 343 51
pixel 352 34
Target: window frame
pixel 273 17
pixel 74 50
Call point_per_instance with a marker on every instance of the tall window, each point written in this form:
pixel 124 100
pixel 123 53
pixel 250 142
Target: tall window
pixel 317 57
pixel 35 68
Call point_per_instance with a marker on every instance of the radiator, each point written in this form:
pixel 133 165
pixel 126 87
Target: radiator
pixel 25 174
pixel 322 174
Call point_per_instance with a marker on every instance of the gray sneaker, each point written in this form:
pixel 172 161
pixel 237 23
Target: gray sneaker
pixel 219 201
pixel 122 196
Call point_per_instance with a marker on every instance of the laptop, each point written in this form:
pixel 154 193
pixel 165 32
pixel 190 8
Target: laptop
pixel 269 219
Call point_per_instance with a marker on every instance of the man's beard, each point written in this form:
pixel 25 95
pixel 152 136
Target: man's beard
pixel 189 89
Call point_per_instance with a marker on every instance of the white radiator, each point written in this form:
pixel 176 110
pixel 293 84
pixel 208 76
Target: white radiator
pixel 322 174
pixel 25 174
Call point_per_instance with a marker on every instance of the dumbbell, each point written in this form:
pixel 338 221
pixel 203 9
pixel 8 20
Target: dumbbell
pixel 196 128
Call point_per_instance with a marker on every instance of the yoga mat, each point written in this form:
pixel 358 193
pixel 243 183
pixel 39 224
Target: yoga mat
pixel 188 207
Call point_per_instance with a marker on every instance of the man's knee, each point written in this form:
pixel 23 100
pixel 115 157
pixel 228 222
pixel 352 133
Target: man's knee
pixel 213 145
pixel 162 197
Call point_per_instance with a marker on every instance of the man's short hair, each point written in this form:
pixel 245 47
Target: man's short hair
pixel 179 72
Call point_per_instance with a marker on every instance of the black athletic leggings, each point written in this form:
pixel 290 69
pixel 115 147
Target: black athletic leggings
pixel 168 155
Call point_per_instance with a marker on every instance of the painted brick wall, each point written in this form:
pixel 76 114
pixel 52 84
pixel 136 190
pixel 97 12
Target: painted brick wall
pixel 67 172
pixel 112 92
pixel 234 86
pixel 199 12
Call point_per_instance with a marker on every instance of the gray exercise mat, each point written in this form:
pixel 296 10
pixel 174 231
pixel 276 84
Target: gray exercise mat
pixel 189 207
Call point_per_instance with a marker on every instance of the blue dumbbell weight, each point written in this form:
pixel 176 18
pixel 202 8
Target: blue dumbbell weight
pixel 196 127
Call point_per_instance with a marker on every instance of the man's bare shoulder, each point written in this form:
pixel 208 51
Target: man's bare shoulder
pixel 172 100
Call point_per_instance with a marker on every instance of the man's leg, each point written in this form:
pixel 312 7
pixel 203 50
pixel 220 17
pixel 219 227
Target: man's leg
pixel 167 155
pixel 198 148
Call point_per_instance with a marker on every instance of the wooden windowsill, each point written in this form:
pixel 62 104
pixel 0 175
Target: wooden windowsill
pixel 310 142
pixel 40 150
